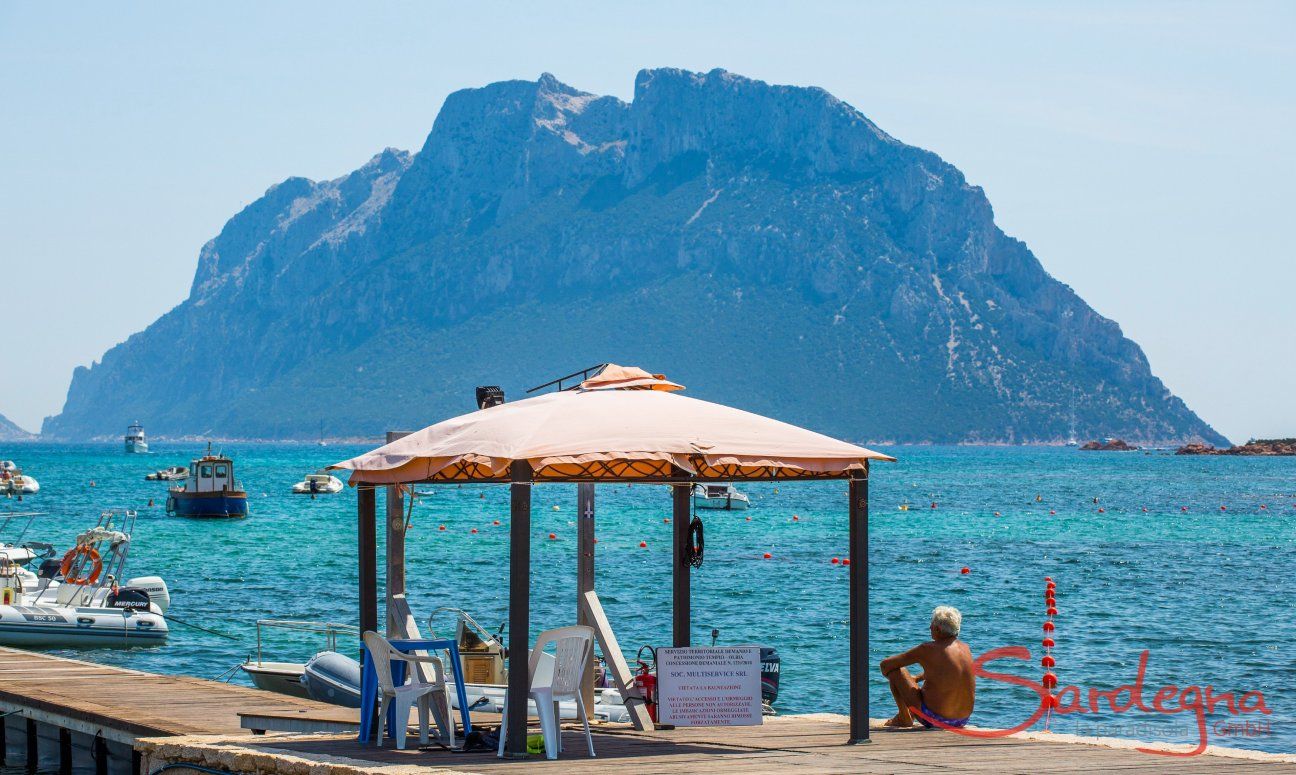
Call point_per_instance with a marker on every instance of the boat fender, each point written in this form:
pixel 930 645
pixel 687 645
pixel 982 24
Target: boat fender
pixel 70 558
pixel 333 678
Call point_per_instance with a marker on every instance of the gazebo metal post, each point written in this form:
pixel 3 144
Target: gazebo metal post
pixel 367 507
pixel 585 574
pixel 395 549
pixel 519 636
pixel 681 591
pixel 859 608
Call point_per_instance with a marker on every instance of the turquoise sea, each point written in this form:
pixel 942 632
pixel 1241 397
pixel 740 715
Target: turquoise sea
pixel 1206 590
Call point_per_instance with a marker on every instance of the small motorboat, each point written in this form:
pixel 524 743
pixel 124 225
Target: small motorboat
pixel 719 496
pixel 13 548
pixel 78 602
pixel 170 474
pixel 136 444
pixel 286 677
pixel 318 483
pixel 210 490
pixel 14 482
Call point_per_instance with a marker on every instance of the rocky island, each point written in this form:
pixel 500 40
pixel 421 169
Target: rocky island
pixel 1256 447
pixel 1109 445
pixel 847 282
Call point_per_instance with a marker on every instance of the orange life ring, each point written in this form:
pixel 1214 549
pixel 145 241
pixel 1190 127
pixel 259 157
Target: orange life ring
pixel 71 556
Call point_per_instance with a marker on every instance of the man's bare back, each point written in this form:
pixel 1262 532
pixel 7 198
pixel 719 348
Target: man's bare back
pixel 946 689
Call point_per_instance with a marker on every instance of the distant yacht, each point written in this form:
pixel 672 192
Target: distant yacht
pixel 135 442
pixel 719 496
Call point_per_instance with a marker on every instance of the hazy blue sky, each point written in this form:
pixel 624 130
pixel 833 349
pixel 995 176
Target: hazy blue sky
pixel 1143 151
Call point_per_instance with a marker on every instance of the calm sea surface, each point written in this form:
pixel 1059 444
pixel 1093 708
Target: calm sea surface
pixel 1206 591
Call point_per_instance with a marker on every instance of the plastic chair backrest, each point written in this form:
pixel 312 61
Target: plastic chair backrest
pixel 572 646
pixel 380 652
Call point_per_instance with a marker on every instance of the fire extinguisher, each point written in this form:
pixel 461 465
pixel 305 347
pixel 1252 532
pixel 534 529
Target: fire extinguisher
pixel 646 681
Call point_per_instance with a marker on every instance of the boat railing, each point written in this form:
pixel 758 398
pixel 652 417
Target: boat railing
pixel 330 630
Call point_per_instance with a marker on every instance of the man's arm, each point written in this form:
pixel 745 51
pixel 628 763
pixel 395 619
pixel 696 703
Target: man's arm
pixel 893 663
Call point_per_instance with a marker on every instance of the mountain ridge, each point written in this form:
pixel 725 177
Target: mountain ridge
pixel 10 431
pixel 848 280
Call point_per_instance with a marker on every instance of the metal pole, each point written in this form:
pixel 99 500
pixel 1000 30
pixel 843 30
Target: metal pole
pixel 395 549
pixel 366 506
pixel 859 609
pixel 681 591
pixel 585 573
pixel 519 636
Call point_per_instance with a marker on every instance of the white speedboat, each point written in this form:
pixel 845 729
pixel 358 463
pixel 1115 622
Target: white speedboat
pixel 319 483
pixel 14 482
pixel 169 474
pixel 286 677
pixel 135 441
pixel 80 603
pixel 13 529
pixel 719 496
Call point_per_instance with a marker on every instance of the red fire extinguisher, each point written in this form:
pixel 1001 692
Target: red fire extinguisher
pixel 646 682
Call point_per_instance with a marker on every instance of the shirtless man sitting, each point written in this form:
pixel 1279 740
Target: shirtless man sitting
pixel 946 688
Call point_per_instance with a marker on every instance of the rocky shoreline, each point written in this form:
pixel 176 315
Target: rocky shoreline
pixel 1110 445
pixel 1255 447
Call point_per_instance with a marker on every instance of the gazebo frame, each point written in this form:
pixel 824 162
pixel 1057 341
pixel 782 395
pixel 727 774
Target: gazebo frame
pixel 520 480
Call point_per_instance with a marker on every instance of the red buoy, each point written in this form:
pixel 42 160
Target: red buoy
pixel 835 561
pixel 496 522
pixel 441 528
pixel 1050 680
pixel 966 569
pixel 1047 661
pixel 666 520
pixel 1048 643
pixel 1183 508
pixel 749 519
pixel 846 562
pixel 1052 611
pixel 473 531
pixel 643 544
pixel 795 518
pixel 553 537
pixel 1145 509
pixel 768 555
pixel 933 504
pixel 1102 510
pixel 1048 579
pixel 1223 508
pixel 1052 513
pixel 1052 701
pixel 1048 627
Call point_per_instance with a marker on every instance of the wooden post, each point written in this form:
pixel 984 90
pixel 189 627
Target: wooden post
pixel 681 592
pixel 585 573
pixel 395 550
pixel 366 507
pixel 859 609
pixel 519 635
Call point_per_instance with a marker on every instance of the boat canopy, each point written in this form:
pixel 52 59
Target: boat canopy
pixel 599 433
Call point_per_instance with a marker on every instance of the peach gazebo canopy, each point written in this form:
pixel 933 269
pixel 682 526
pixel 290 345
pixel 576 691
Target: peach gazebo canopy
pixel 611 434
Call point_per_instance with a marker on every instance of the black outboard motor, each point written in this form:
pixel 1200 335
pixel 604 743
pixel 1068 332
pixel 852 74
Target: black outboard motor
pixel 49 569
pixel 488 396
pixel 770 664
pixel 129 597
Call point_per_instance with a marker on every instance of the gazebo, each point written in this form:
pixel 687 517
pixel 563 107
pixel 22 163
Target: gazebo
pixel 623 425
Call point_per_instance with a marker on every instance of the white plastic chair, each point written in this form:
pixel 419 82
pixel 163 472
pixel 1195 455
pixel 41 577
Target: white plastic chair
pixel 555 678
pixel 413 690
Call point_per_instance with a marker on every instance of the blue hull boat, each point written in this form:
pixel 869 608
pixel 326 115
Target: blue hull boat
pixel 226 504
pixel 210 490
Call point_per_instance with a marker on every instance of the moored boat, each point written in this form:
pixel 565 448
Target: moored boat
pixel 319 483
pixel 211 490
pixel 14 482
pixel 719 496
pixel 79 602
pixel 169 474
pixel 135 442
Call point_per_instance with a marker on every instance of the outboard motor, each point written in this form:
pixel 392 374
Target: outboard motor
pixel 156 589
pixel 134 598
pixel 770 664
pixel 49 569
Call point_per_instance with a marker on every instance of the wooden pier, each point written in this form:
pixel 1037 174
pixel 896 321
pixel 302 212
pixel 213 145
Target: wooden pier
pixel 71 716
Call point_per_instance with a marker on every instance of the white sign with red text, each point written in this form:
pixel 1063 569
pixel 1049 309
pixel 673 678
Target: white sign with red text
pixel 709 687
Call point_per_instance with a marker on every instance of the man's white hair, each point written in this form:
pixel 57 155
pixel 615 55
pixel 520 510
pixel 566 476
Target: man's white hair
pixel 947 620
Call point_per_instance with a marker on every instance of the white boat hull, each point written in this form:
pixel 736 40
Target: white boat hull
pixel 24 485
pixel 737 502
pixel 57 626
pixel 280 677
pixel 333 485
pixel 137 447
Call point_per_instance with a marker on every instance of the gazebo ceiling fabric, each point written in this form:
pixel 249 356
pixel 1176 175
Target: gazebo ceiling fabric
pixel 610 435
